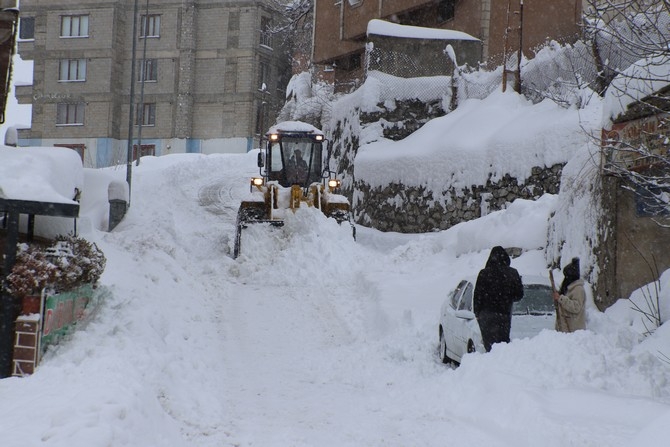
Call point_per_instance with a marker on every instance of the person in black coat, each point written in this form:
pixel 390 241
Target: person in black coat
pixel 498 287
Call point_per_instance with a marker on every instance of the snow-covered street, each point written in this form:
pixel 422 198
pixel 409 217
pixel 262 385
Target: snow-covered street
pixel 310 338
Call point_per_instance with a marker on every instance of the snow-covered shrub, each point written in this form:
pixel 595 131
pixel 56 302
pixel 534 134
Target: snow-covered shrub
pixel 70 262
pixel 31 273
pixel 78 261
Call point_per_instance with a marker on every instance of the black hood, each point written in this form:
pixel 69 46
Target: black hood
pixel 498 258
pixel 571 274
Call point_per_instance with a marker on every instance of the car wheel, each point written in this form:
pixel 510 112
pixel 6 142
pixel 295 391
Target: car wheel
pixel 471 347
pixel 443 349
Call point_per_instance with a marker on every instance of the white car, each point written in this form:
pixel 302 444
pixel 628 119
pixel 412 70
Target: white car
pixel 459 330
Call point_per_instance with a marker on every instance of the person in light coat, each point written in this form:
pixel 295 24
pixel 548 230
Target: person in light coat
pixel 570 300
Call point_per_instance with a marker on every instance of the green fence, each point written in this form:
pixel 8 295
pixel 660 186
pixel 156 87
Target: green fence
pixel 62 311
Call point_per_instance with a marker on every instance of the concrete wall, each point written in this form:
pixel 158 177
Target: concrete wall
pixel 633 249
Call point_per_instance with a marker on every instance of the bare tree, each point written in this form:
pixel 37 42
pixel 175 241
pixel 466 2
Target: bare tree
pixel 623 31
pixel 296 28
pixel 631 45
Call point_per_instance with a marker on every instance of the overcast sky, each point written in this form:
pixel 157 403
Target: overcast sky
pixel 16 114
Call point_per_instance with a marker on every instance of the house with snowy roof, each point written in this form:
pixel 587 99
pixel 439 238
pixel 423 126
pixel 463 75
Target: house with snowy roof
pixel 341 28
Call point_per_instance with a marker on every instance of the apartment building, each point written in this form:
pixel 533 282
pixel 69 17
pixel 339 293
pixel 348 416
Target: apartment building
pixel 340 26
pixel 208 77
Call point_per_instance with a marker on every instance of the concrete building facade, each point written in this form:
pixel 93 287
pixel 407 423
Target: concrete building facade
pixel 208 77
pixel 340 26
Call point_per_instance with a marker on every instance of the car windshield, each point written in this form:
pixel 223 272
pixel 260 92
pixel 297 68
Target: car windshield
pixel 537 300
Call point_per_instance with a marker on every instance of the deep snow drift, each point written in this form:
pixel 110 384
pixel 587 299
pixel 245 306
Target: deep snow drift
pixel 313 339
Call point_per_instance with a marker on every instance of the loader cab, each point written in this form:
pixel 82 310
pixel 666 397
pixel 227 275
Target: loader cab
pixel 295 158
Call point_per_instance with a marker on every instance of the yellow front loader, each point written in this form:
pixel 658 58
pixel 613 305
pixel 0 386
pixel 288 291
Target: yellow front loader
pixel 293 174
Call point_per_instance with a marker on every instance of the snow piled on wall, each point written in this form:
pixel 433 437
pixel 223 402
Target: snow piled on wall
pixel 574 225
pixel 502 134
pixel 641 79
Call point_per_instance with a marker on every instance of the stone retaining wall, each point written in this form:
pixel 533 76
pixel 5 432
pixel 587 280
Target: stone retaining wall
pixel 411 209
pixel 404 117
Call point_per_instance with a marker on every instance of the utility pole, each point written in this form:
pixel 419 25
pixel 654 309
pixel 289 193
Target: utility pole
pixel 143 74
pixel 131 114
pixel 507 51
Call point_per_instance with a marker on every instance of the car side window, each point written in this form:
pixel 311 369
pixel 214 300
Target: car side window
pixel 457 294
pixel 466 300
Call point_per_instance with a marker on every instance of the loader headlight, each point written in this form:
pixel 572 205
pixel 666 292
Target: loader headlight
pixel 274 137
pixel 257 181
pixel 319 138
pixel 333 183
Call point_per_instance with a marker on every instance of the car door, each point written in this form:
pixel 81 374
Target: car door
pixel 451 323
pixel 464 320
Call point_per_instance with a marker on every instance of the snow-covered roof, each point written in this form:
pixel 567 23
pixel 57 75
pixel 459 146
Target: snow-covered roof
pixel 384 28
pixel 294 126
pixel 640 80
pixel 41 174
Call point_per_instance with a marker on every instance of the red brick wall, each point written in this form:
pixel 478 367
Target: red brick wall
pixel 26 345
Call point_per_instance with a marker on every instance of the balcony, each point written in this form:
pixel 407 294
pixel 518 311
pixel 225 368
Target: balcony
pixel 26 49
pixel 24 94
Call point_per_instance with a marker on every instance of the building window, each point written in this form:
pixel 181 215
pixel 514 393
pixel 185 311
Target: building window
pixel 263 76
pixel 145 150
pixel 148 71
pixel 79 148
pixel 266 32
pixel 70 114
pixel 446 9
pixel 151 25
pixel 27 28
pixel 350 63
pixel 146 114
pixel 72 70
pixel 74 26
